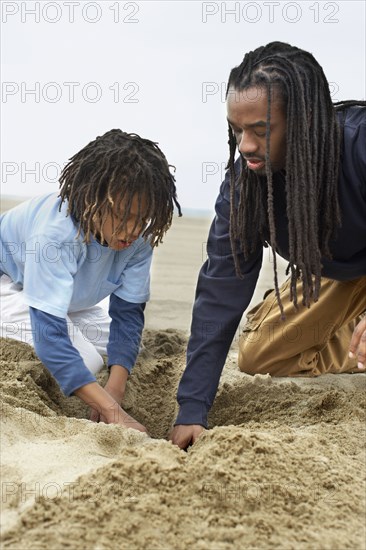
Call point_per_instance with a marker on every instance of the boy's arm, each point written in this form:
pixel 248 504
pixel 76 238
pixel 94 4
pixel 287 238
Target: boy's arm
pixel 127 323
pixel 54 348
pixel 126 309
pixel 124 342
pixel 117 380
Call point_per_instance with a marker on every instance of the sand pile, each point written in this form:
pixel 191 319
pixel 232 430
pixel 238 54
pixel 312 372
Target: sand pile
pixel 283 466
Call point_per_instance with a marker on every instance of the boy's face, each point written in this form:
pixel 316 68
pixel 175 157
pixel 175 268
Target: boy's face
pixel 247 115
pixel 125 237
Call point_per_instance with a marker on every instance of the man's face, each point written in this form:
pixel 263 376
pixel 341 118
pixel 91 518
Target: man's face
pixel 125 237
pixel 247 116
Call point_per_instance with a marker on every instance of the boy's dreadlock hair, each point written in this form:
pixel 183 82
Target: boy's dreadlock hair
pixel 114 168
pixel 312 159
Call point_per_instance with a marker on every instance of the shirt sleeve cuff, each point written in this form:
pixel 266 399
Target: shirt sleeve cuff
pixel 72 387
pixel 192 412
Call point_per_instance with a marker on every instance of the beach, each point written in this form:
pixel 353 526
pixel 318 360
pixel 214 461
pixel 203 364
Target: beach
pixel 282 465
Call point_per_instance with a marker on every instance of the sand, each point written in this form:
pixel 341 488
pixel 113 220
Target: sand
pixel 282 465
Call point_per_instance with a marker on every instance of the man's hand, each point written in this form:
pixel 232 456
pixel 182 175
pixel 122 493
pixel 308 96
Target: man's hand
pixel 183 436
pixel 358 344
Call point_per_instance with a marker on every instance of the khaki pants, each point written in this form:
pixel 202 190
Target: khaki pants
pixel 310 341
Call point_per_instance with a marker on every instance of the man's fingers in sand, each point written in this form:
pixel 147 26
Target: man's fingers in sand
pixel 183 436
pixel 357 347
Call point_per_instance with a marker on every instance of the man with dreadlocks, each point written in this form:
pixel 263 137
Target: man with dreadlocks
pixel 61 255
pixel 299 186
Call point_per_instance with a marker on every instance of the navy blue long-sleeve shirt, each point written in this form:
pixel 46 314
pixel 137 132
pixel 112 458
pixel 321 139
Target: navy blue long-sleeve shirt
pixel 222 297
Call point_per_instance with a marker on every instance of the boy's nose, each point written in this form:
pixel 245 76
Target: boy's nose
pixel 133 232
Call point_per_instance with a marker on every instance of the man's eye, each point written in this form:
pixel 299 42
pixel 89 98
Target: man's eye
pixel 260 134
pixel 237 135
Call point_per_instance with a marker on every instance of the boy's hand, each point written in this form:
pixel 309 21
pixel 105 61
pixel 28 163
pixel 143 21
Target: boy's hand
pixel 106 407
pixel 117 395
pixel 184 436
pixel 116 415
pixel 115 387
pixel 358 344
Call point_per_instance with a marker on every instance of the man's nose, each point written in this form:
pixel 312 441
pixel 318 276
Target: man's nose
pixel 248 144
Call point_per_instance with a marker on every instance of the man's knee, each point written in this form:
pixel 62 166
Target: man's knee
pixel 261 353
pixel 251 347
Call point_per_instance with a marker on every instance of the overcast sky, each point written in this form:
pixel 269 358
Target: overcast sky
pixel 73 70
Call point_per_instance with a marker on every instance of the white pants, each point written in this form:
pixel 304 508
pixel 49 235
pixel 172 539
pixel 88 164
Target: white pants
pixel 88 329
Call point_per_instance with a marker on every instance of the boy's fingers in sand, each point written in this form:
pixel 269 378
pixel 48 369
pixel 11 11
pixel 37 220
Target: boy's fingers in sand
pixel 358 344
pixel 116 415
pixel 184 436
pixel 94 415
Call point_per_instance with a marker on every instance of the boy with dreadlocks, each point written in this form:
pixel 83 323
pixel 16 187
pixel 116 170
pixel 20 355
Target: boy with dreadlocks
pixel 299 187
pixel 61 255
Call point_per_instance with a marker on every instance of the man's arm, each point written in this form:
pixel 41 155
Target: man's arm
pixel 221 299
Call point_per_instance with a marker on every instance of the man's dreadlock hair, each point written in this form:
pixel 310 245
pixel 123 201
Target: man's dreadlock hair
pixel 114 168
pixel 312 159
